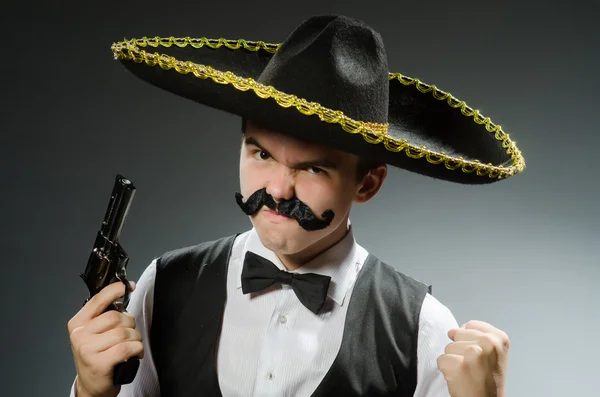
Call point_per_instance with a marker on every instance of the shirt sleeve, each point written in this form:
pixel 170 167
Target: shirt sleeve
pixel 145 383
pixel 434 323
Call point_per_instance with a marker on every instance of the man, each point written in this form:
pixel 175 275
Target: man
pixel 295 306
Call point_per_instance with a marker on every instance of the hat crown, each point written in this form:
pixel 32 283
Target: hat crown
pixel 336 61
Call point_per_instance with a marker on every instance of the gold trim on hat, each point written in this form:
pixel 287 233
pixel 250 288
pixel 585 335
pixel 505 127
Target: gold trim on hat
pixel 374 133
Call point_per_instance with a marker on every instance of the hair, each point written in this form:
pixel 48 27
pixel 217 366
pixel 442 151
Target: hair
pixel 364 166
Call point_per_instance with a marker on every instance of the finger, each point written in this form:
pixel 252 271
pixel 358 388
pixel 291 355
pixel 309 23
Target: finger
pixel 489 328
pixel 113 337
pixel 122 352
pixel 99 302
pixel 461 348
pixel 110 320
pixel 466 335
pixel 452 333
pixel 97 305
pixel 449 365
pixel 458 347
pixel 488 342
pixel 483 327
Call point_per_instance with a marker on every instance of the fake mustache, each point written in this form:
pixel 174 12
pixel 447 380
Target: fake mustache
pixel 293 208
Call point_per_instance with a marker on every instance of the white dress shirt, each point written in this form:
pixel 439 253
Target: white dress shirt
pixel 271 345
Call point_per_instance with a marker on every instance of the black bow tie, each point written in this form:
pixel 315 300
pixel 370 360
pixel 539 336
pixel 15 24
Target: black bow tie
pixel 260 273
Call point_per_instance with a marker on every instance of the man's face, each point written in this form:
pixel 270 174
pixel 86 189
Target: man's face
pixel 320 177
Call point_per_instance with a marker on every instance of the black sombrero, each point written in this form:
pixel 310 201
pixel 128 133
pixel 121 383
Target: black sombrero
pixel 329 83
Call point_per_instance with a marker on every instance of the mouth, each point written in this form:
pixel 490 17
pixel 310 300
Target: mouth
pixel 275 214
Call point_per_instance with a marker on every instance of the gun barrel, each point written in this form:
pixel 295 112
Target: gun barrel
pixel 118 207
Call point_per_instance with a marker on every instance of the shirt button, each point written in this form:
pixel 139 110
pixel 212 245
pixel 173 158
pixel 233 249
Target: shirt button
pixel 282 319
pixel 271 376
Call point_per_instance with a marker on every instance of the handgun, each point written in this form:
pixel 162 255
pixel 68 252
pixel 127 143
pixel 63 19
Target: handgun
pixel 107 263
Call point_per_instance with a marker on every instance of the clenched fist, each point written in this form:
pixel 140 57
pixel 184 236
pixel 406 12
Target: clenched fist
pixel 474 364
pixel 100 340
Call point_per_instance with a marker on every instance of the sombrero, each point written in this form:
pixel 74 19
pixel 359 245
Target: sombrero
pixel 329 83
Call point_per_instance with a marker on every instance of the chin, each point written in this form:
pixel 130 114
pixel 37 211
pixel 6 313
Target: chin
pixel 285 239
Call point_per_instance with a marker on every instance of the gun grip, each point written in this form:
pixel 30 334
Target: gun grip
pixel 124 373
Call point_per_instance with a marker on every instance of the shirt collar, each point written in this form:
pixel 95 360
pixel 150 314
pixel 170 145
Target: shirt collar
pixel 338 262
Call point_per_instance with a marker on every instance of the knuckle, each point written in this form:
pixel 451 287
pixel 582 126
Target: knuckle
pixel 448 348
pixel 440 361
pixel 128 320
pixel 78 336
pixel 505 340
pixel 139 349
pixel 137 336
pixel 84 351
pixel 471 324
pixel 71 325
pixel 123 351
pixel 113 317
pixel 473 353
pixel 487 339
pixel 74 333
pixel 444 365
pixel 490 341
pixel 122 333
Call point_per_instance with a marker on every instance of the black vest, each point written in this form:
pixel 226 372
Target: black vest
pixel 377 356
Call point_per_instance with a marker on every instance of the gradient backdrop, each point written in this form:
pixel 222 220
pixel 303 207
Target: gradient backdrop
pixel 521 253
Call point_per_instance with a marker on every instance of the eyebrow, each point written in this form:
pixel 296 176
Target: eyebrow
pixel 321 163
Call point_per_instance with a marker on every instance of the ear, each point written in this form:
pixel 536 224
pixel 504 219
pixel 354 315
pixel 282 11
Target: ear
pixel 370 184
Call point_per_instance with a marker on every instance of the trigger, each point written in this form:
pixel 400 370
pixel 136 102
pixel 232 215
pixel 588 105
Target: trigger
pixel 127 293
pixel 121 276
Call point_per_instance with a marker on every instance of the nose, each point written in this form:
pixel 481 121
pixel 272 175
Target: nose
pixel 281 184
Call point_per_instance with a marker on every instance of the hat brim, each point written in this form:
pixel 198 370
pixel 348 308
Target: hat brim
pixel 429 131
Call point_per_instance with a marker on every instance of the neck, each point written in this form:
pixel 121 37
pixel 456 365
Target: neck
pixel 299 259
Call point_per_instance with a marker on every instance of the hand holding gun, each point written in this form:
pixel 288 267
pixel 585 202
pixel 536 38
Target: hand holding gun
pixel 106 346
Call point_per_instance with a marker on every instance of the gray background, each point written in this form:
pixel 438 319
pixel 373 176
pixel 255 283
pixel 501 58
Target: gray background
pixel 521 253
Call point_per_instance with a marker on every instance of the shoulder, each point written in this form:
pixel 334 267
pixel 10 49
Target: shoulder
pixel 435 318
pixel 434 323
pixel 384 272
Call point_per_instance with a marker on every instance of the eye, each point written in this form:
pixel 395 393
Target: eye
pixel 261 154
pixel 315 170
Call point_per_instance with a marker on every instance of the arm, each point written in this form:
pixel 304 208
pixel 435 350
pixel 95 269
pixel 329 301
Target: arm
pixel 434 323
pixel 145 383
